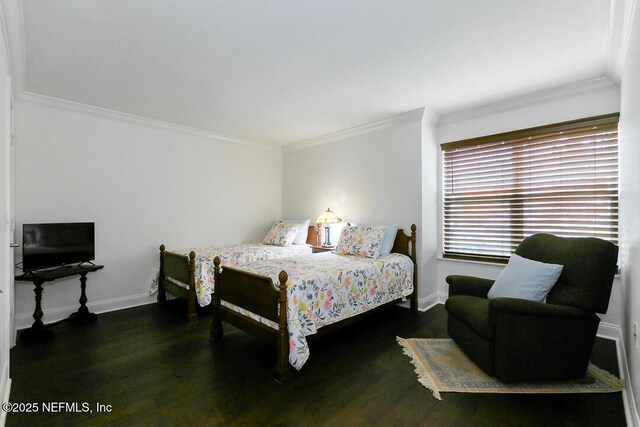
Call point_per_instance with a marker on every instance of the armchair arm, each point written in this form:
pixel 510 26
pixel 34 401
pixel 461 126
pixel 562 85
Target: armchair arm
pixel 533 308
pixel 468 285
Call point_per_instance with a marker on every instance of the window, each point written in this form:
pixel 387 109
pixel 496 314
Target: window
pixel 560 179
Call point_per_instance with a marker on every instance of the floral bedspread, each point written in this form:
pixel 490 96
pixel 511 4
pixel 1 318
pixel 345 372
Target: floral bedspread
pixel 233 255
pixel 325 288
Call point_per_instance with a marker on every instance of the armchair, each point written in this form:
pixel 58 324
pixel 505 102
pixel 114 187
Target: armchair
pixel 521 340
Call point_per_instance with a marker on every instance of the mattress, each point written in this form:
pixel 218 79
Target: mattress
pixel 232 255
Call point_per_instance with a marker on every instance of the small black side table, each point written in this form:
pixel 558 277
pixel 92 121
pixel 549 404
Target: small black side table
pixel 37 331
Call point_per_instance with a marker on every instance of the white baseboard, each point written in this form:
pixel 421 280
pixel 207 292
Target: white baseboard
pixel 442 297
pixel 5 389
pixel 609 331
pixel 25 320
pixel 427 302
pixel 614 332
pixel 431 300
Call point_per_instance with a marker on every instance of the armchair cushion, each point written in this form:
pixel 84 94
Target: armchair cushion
pixel 526 279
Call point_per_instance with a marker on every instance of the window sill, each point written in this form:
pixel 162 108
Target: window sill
pixel 469 261
pixel 493 264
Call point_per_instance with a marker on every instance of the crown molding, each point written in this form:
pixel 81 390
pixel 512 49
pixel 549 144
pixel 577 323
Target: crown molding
pixel 12 15
pixel 14 39
pixel 409 116
pixel 620 25
pixel 135 119
pixel 598 84
pixel 5 38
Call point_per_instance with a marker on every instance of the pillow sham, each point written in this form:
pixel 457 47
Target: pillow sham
pixel 303 230
pixel 525 279
pixel 388 240
pixel 281 234
pixel 363 240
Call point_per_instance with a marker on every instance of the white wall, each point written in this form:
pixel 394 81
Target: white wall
pixel 430 212
pixel 142 186
pixel 371 177
pixel 569 103
pixel 630 202
pixel 6 295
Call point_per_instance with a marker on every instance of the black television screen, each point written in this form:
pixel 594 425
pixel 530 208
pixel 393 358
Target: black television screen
pixel 51 245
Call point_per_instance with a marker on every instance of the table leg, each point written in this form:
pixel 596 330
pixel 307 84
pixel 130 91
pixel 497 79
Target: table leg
pixel 83 315
pixel 37 332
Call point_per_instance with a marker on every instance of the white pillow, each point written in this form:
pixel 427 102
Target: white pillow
pixel 303 230
pixel 525 279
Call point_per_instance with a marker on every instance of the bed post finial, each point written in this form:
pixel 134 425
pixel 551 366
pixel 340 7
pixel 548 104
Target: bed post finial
pixel 282 366
pixel 162 248
pixel 283 277
pixel 216 332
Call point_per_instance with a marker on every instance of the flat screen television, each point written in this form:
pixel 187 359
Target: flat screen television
pixel 57 244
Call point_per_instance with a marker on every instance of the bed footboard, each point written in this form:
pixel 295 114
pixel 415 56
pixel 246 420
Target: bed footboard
pixel 182 269
pixel 259 295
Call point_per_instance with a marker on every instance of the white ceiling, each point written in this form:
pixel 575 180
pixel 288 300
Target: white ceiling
pixel 284 71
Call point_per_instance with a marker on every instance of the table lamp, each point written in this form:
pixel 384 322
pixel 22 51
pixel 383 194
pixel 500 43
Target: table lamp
pixel 327 218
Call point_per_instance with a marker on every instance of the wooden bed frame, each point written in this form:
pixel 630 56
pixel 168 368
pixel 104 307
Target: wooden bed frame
pixel 258 294
pixel 182 268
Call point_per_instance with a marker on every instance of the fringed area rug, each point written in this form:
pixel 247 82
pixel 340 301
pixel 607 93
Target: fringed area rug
pixel 442 367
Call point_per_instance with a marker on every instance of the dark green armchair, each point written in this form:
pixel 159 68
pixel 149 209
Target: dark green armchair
pixel 520 340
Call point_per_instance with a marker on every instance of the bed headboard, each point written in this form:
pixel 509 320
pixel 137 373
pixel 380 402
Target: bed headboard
pixel 406 244
pixel 313 236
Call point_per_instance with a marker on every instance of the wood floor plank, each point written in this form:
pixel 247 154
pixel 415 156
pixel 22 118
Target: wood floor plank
pixel 154 368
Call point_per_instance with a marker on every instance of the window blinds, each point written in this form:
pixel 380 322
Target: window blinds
pixel 560 179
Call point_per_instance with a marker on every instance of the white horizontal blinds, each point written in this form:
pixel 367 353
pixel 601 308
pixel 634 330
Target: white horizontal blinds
pixel 499 190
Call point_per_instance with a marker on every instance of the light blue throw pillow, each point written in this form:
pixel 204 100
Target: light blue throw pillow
pixel 388 239
pixel 525 279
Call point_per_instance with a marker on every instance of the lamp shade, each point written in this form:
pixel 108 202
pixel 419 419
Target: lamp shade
pixel 328 217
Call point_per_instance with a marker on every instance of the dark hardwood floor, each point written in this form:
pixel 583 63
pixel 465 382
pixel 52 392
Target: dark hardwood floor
pixel 153 368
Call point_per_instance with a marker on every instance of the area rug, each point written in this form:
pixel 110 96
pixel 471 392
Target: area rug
pixel 442 367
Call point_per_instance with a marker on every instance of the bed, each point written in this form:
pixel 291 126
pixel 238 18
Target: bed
pixel 285 300
pixel 189 273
